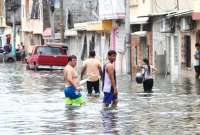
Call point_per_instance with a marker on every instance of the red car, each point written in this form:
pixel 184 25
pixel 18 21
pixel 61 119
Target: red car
pixel 46 57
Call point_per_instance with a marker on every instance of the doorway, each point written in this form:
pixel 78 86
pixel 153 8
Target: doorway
pixel 186 53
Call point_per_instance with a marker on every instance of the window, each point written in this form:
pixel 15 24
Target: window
pixel 49 51
pixel 35 12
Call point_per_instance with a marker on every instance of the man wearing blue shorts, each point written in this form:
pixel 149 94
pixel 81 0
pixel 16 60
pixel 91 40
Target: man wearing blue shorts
pixel 109 81
pixel 72 84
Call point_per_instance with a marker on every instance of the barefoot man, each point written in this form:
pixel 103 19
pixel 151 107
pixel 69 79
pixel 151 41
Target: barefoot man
pixel 72 84
pixel 92 66
pixel 109 82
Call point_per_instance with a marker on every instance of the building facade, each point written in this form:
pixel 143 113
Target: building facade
pixel 174 31
pixel 91 25
pixel 28 20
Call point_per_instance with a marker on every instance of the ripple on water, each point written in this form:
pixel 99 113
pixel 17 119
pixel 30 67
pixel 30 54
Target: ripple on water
pixel 33 102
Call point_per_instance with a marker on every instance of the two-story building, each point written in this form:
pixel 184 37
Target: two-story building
pixel 174 28
pixel 97 25
pixel 31 22
pixel 28 20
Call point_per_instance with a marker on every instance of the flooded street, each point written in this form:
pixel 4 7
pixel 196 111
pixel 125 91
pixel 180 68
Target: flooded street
pixel 33 103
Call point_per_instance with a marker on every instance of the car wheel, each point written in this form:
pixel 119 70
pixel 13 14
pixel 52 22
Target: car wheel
pixel 10 60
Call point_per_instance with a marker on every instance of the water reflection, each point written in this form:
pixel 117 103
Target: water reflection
pixel 187 85
pixel 109 121
pixel 71 124
pixel 197 86
pixel 32 103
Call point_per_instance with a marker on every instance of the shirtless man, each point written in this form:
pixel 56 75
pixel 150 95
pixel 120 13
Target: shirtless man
pixel 92 66
pixel 71 81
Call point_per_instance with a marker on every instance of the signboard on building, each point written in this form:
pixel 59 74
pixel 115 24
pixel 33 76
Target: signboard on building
pixel 111 9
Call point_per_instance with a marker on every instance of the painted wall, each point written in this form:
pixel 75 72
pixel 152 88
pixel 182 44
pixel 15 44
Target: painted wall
pixel 118 43
pixel 146 7
pixel 140 7
pixel 31 27
pixel 161 47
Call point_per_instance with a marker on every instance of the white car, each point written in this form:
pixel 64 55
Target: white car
pixel 6 57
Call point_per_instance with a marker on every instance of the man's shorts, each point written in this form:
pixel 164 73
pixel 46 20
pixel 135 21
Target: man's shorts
pixel 71 92
pixel 109 97
pixel 72 97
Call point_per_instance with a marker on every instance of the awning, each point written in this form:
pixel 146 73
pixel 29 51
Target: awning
pixel 94 26
pixel 71 33
pixel 139 20
pixel 181 13
pixel 99 25
pixel 140 33
pixel 196 16
pixel 47 32
pixel 80 26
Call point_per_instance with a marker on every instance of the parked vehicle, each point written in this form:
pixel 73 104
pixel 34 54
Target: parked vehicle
pixel 46 57
pixel 6 56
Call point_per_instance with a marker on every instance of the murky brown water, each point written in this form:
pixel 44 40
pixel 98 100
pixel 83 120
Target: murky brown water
pixel 32 103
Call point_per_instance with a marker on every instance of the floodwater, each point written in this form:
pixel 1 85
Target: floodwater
pixel 32 103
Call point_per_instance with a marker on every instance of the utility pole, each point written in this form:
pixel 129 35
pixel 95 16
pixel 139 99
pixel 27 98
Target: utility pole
pixel 14 7
pixel 177 1
pixel 127 38
pixel 62 29
pixel 52 8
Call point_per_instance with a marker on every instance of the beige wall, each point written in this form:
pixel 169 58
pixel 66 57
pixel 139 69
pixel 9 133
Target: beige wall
pixel 140 8
pixel 162 6
pixel 31 25
pixel 196 5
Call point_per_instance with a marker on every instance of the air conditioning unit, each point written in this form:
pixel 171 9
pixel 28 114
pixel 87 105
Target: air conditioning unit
pixel 166 25
pixel 185 23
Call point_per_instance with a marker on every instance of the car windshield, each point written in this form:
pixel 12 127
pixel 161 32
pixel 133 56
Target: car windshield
pixel 49 50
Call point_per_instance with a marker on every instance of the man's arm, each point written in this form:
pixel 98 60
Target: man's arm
pixel 100 71
pixel 110 71
pixel 82 72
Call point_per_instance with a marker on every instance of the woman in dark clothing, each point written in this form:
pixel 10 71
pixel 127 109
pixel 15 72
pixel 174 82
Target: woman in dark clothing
pixel 148 77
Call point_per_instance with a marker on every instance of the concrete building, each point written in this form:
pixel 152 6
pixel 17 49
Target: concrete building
pixel 91 25
pixel 2 24
pixel 141 32
pixel 29 22
pixel 174 31
pixel 6 33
